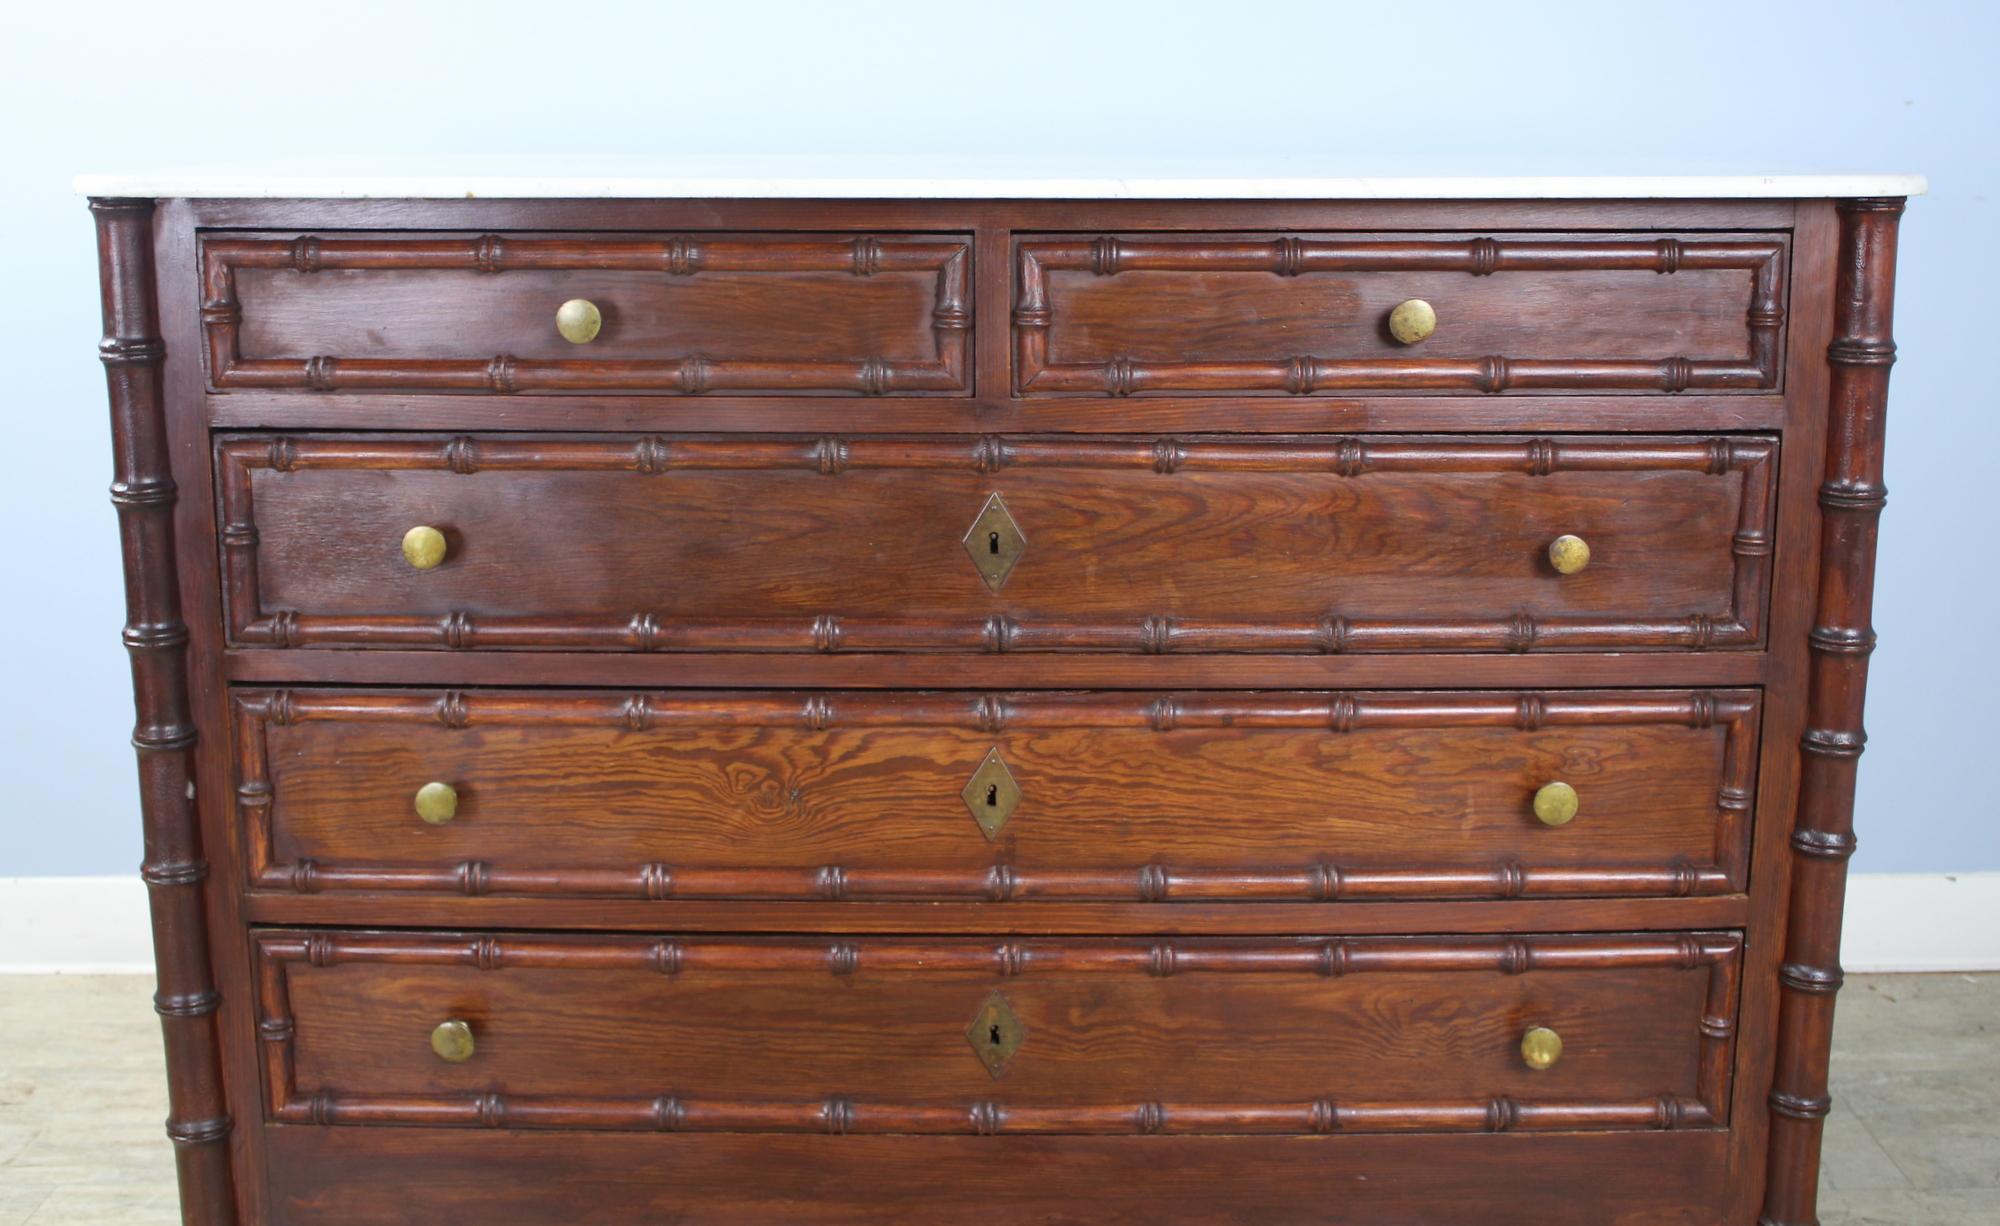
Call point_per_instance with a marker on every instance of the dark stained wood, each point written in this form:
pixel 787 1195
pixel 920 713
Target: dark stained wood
pixel 1117 1036
pixel 1306 314
pixel 933 670
pixel 777 314
pixel 390 1177
pixel 175 869
pixel 1579 412
pixel 1155 797
pixel 177 272
pixel 1851 498
pixel 1161 545
pixel 952 216
pixel 1689 1176
pixel 1784 713
pixel 406 910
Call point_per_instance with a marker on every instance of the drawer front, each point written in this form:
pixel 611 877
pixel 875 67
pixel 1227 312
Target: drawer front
pixel 880 544
pixel 1209 314
pixel 922 1035
pixel 758 314
pixel 398 1176
pixel 1022 797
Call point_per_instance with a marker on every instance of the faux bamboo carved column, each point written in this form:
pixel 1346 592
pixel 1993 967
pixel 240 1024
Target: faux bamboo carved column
pixel 1851 498
pixel 174 870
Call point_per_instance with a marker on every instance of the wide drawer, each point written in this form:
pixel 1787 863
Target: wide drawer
pixel 1307 314
pixel 397 1176
pixel 997 796
pixel 758 314
pixel 935 1035
pixel 996 544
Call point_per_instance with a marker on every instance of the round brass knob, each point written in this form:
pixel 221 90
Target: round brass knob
pixel 452 1041
pixel 579 320
pixel 1568 554
pixel 1541 1048
pixel 1412 321
pixel 423 547
pixel 437 803
pixel 1555 803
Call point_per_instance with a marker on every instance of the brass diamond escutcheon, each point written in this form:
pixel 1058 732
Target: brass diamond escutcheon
pixel 991 794
pixel 995 1034
pixel 995 542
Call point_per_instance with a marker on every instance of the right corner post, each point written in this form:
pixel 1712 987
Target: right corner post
pixel 1851 496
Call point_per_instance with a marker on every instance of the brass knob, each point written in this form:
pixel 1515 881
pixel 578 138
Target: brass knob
pixel 423 547
pixel 579 320
pixel 1555 803
pixel 437 803
pixel 452 1041
pixel 1412 321
pixel 1541 1048
pixel 1569 554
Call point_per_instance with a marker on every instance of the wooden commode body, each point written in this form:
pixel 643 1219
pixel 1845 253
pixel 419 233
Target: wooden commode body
pixel 1273 708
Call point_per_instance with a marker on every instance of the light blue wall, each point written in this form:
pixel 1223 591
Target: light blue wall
pixel 1438 87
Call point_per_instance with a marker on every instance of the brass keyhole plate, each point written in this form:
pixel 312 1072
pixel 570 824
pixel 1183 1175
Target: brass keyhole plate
pixel 995 1033
pixel 994 542
pixel 991 794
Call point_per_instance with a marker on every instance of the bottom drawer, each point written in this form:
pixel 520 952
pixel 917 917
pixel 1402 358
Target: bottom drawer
pixel 395 1177
pixel 955 1035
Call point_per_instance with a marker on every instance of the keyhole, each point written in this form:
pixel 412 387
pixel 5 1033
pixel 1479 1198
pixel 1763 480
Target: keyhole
pixel 993 1034
pixel 993 542
pixel 992 795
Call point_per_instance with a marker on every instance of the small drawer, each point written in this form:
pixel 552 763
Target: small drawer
pixel 1019 797
pixel 952 1035
pixel 1300 544
pixel 742 314
pixel 1334 314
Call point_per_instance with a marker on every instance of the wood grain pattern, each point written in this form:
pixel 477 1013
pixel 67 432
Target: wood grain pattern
pixel 1682 549
pixel 1122 1036
pixel 935 917
pixel 1147 545
pixel 1851 498
pixel 1093 670
pixel 684 314
pixel 1133 314
pixel 175 868
pixel 856 796
pixel 389 1177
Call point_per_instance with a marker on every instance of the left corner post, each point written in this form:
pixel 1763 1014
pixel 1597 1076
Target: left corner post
pixel 164 737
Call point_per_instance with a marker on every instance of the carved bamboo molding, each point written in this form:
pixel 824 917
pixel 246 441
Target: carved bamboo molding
pixel 950 371
pixel 1750 459
pixel 175 867
pixel 1303 375
pixel 280 955
pixel 665 712
pixel 1851 497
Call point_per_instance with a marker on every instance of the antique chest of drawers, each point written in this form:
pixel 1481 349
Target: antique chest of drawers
pixel 663 705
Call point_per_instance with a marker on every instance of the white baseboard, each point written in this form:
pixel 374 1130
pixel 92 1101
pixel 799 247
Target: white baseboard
pixel 75 926
pixel 1895 922
pixel 1917 922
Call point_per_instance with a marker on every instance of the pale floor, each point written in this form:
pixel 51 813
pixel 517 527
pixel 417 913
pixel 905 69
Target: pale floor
pixel 1914 1139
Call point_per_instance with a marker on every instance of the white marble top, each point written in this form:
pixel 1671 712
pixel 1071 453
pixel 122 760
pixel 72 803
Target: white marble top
pixel 951 179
